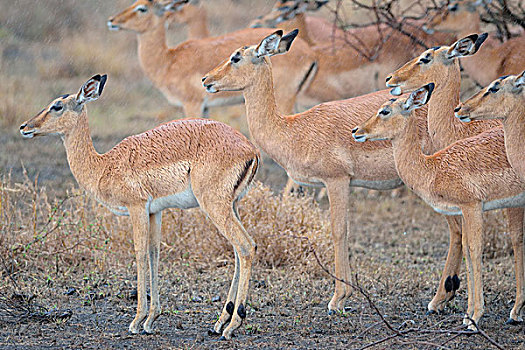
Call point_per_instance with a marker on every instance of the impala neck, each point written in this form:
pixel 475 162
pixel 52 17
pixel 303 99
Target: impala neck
pixel 153 51
pixel 299 22
pixel 411 164
pixel 443 127
pixel 84 161
pixel 198 23
pixel 514 128
pixel 266 125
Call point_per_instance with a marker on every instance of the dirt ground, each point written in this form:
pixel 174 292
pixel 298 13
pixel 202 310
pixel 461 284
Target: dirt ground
pixel 67 273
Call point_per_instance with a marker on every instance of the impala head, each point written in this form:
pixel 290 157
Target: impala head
pixel 285 10
pixel 454 17
pixel 432 64
pixel 391 118
pixel 62 114
pixel 495 101
pixel 144 14
pixel 185 13
pixel 242 68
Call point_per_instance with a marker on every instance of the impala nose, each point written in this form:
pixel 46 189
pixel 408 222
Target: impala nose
pixel 22 126
pixel 354 130
pixel 457 109
pixel 388 78
pixel 204 78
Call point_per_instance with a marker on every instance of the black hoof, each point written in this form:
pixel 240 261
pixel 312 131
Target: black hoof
pixel 431 312
pixel 143 332
pixel 513 322
pixel 222 338
pixel 331 312
pixel 212 333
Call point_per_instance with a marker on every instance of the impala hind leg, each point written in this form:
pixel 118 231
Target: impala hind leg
pixel 339 196
pixel 227 223
pixel 515 218
pixel 449 282
pixel 155 223
pixel 140 222
pixel 473 250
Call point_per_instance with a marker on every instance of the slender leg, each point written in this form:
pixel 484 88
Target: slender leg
pixel 515 218
pixel 227 310
pixel 449 282
pixel 140 222
pixel 155 223
pixel 473 249
pixel 338 195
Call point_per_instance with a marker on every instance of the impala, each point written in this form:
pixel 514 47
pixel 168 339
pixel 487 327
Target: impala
pixel 314 147
pixel 182 164
pixel 440 65
pixel 463 18
pixel 466 178
pixel 176 72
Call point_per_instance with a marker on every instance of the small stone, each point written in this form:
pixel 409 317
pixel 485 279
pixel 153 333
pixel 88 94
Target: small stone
pixel 196 299
pixel 216 299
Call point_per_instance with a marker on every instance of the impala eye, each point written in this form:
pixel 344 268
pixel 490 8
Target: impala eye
pixel 236 58
pixel 142 9
pixel 58 106
pixel 384 112
pixel 493 89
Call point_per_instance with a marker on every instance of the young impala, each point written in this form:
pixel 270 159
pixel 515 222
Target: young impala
pixel 466 178
pixel 463 18
pixel 503 99
pixel 440 65
pixel 182 164
pixel 176 72
pixel 314 147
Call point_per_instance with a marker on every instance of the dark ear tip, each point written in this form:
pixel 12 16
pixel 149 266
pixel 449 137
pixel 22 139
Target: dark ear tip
pixel 279 32
pixel 430 87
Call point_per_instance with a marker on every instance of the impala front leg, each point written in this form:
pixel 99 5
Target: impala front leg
pixel 140 222
pixel 473 250
pixel 155 223
pixel 515 219
pixel 338 196
pixel 449 282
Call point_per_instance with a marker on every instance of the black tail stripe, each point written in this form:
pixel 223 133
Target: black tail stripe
pixel 243 174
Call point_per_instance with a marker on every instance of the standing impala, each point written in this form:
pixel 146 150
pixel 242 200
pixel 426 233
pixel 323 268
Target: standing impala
pixel 182 164
pixel 440 65
pixel 314 147
pixel 503 99
pixel 463 18
pixel 176 72
pixel 466 178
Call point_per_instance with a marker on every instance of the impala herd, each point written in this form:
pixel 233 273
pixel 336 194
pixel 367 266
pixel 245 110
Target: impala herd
pixel 460 158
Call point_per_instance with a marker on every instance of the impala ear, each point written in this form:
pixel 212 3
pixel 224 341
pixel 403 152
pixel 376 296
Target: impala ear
pixel 269 45
pixel 520 80
pixel 92 89
pixel 173 5
pixel 467 46
pixel 419 98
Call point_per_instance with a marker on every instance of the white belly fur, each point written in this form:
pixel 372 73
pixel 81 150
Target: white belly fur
pixel 510 202
pixel 181 200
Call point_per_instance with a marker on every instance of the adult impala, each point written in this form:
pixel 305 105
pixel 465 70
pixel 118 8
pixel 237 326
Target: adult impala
pixel 182 164
pixel 176 72
pixel 463 18
pixel 440 65
pixel 314 147
pixel 468 177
